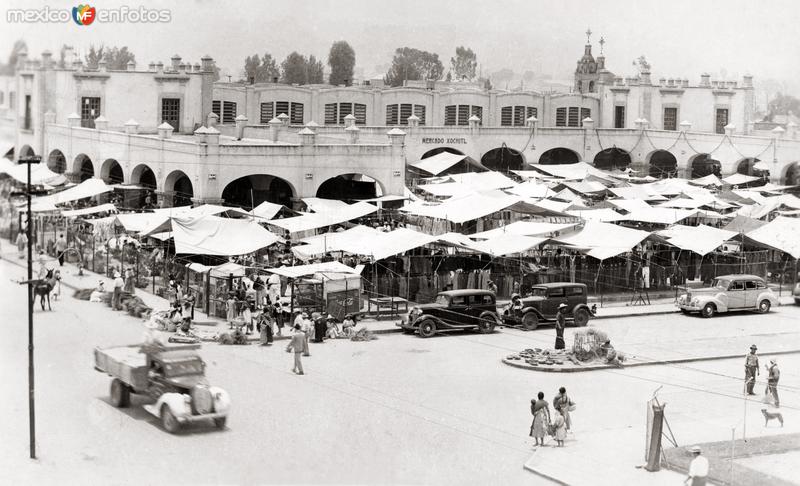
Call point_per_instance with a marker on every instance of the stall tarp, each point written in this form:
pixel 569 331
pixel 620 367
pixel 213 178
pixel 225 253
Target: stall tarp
pixel 737 179
pixel 700 239
pixel 532 189
pixel 468 183
pixel 309 221
pixel 544 207
pixel 709 180
pixel 644 193
pixel 606 215
pixel 585 187
pixel 139 222
pixel 743 224
pixel 227 269
pixel 214 209
pixel 110 208
pixel 604 240
pixel 436 164
pixel 393 243
pixel 386 198
pixel 577 171
pixel 507 244
pixel 266 210
pixel 87 188
pixel 465 208
pixel 659 215
pixel 523 228
pixel 298 271
pixel 40 173
pixel 333 242
pixel 781 234
pixel 630 205
pixel 212 235
pixel 198 267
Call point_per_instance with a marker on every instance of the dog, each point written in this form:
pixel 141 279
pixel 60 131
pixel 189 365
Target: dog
pixel 771 415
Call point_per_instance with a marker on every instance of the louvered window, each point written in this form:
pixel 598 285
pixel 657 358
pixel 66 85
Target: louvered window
pixel 585 113
pixel 419 110
pixel 330 114
pixel 228 112
pixel 296 114
pixel 391 115
pixel 360 112
pixel 267 112
pixel 450 115
pixel 572 116
pixel 561 117
pixel 216 108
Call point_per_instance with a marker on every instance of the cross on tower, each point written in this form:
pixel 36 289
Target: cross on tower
pixel 602 42
pixel 588 34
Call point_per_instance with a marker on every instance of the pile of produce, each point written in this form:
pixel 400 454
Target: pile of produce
pixel 234 337
pixel 363 334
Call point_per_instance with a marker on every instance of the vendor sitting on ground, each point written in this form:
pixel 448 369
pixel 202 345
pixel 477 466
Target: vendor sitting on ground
pixel 97 294
pixel 611 355
pixel 333 331
pixel 349 326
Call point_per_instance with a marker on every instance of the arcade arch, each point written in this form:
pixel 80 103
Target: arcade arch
pixel 57 162
pixel 503 159
pixel 612 158
pixel 82 167
pixel 662 164
pixel 250 191
pixel 350 186
pixel 559 155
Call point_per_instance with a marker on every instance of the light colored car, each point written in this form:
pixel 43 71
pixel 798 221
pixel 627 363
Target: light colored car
pixel 729 293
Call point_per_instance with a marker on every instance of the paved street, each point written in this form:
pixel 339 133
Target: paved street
pixel 396 410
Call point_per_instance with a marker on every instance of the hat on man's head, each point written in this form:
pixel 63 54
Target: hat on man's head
pixel 304 314
pixel 695 450
pixel 562 306
pixel 773 362
pixel 753 346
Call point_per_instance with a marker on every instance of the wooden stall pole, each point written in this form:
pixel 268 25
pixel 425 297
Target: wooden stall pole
pixel 208 292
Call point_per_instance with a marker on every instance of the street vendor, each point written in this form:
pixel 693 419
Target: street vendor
pixel 349 326
pixel 560 324
pixel 611 355
pixel 333 331
pixel 515 305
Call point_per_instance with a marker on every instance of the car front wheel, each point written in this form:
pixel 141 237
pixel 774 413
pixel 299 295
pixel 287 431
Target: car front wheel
pixel 581 317
pixel 427 328
pixel 168 420
pixel 763 306
pixel 530 321
pixel 120 394
pixel 708 310
pixel 487 323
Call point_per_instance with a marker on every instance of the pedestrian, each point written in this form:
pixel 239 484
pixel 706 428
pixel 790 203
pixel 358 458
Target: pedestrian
pixel 258 286
pixel 560 324
pixel 230 308
pixel 320 328
pixel 541 419
pixel 22 244
pixel 563 403
pixel 560 428
pixel 751 370
pixel 772 381
pixel 277 314
pixel 129 283
pixel 61 248
pixel 247 316
pixel 515 288
pixel 307 326
pixel 297 344
pixel 698 468
pixel 118 284
pixel 42 265
pixel 348 326
pixel 265 327
pixel 492 287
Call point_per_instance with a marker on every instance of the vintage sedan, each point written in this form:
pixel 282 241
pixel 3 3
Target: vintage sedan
pixel 541 305
pixel 454 310
pixel 729 293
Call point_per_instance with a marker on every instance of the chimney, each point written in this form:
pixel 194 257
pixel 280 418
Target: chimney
pixel 69 56
pixel 47 60
pixel 207 63
pixel 274 129
pixel 349 120
pixel 531 121
pixel 73 120
pixel 705 80
pixel 212 119
pixel 474 123
pixel 131 66
pixel 201 134
pixel 747 81
pixel 176 62
pixel 588 123
pixel 686 126
pixel 160 67
pixel 397 137
pixel 102 65
pixel 413 121
pixel 284 118
pixel 729 129
pixel 212 136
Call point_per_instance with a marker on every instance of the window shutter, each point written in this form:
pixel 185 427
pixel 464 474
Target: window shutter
pixel 267 113
pixel 405 112
pixel 296 114
pixel 391 115
pixel 419 110
pixel 506 116
pixel 360 112
pixel 450 113
pixel 330 114
pixel 561 117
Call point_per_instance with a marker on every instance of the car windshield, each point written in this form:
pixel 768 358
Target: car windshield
pixel 721 283
pixel 442 299
pixel 179 368
pixel 538 292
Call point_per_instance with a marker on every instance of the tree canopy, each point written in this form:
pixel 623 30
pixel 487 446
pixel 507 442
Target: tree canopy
pixel 464 64
pixel 262 69
pixel 783 105
pixel 413 64
pixel 115 57
pixel 11 66
pixel 342 60
pixel 297 69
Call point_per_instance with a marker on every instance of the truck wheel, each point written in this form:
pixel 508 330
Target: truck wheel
pixel 168 420
pixel 487 322
pixel 708 310
pixel 581 317
pixel 763 306
pixel 530 321
pixel 220 422
pixel 427 328
pixel 120 394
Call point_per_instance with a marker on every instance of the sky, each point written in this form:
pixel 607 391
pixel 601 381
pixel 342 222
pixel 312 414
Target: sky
pixel 679 38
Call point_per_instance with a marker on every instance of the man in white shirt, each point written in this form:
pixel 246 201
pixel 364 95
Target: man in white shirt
pixel 116 296
pixel 698 468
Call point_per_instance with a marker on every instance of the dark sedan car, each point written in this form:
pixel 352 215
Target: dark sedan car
pixel 542 305
pixel 454 310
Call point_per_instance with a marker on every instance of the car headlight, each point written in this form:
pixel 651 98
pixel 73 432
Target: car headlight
pixel 695 301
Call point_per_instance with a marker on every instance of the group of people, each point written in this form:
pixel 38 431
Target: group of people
pixel 321 327
pixel 546 424
pixel 751 370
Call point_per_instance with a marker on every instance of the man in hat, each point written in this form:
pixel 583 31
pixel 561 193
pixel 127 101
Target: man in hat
pixel 297 344
pixel 772 381
pixel 118 284
pixel 492 286
pixel 560 324
pixel 698 468
pixel 751 370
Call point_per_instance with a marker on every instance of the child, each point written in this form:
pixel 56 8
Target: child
pixel 230 306
pixel 247 315
pixel 560 425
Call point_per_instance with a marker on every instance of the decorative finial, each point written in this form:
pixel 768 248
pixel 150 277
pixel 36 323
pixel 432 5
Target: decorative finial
pixel 588 34
pixel 602 42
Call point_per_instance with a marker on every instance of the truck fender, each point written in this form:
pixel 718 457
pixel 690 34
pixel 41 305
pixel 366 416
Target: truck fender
pixel 771 298
pixel 176 402
pixel 222 401
pixel 525 310
pixel 721 301
pixel 582 306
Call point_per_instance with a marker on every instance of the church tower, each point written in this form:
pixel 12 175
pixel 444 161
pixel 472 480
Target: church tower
pixel 587 72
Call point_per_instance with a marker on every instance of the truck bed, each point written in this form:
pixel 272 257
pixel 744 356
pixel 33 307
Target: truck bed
pixel 123 362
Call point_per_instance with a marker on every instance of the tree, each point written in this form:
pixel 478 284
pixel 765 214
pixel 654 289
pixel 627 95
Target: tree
pixel 413 64
pixel 262 69
pixel 9 68
pixel 115 57
pixel 315 70
pixel 294 69
pixel 464 64
pixel 783 105
pixel 62 60
pixel 342 60
pixel 502 77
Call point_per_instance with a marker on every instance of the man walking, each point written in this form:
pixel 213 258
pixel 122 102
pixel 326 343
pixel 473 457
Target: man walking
pixel 751 370
pixel 118 284
pixel 772 381
pixel 61 247
pixel 698 468
pixel 560 324
pixel 297 344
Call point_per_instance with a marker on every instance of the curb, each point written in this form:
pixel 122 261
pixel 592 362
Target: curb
pixel 640 363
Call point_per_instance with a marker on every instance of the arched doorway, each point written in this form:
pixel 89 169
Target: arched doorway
pixel 750 166
pixel 26 151
pixel 612 158
pixel 82 168
pixel 663 164
pixel 57 162
pixel 438 150
pixel 702 165
pixel 350 186
pixel 792 177
pixel 503 159
pixel 143 176
pixel 179 187
pixel 252 190
pixel 559 155
pixel 111 172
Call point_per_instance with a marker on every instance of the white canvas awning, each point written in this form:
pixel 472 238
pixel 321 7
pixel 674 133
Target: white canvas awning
pixel 659 215
pixel 643 192
pixel 736 179
pixel 109 208
pixel 87 188
pixel 306 270
pixel 228 269
pixel 138 222
pixel 507 244
pixel 366 242
pixel 462 184
pixel 436 164
pixel 266 210
pixel 700 239
pixel 524 228
pixel 532 189
pixel 466 208
pixel 709 180
pixel 576 172
pixel 310 221
pixel 606 215
pixel 40 173
pixel 780 234
pixel 212 235
pixel 333 242
pixel 604 240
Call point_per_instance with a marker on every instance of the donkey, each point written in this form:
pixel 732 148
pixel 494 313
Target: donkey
pixel 43 287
